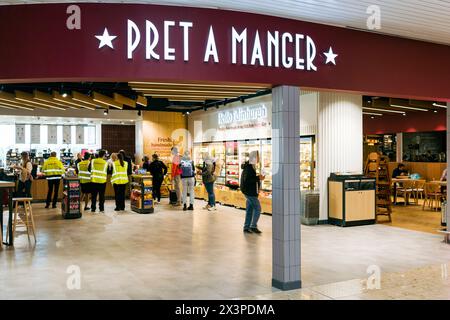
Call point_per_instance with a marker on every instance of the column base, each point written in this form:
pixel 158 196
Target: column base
pixel 286 286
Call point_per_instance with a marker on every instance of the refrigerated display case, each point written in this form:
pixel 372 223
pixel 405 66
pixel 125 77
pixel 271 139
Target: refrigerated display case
pixel 247 146
pixel 232 166
pixel 307 163
pixel 217 151
pixel 266 164
pixel 198 160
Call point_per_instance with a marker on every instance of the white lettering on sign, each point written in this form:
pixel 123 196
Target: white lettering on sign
pixel 269 49
pixel 252 113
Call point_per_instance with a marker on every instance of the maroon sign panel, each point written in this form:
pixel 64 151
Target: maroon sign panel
pixel 124 42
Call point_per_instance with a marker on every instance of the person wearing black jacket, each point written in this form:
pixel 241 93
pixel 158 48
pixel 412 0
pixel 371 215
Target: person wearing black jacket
pixel 130 164
pixel 146 163
pixel 158 170
pixel 250 185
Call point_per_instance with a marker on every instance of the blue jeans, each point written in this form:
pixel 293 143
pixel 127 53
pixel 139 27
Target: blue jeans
pixel 252 212
pixel 210 190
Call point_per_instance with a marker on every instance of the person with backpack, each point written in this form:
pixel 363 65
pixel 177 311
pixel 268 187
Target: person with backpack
pixel 250 186
pixel 158 170
pixel 25 177
pixel 208 178
pixel 187 180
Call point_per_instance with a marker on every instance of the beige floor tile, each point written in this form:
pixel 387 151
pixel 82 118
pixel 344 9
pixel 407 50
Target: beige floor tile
pixel 202 255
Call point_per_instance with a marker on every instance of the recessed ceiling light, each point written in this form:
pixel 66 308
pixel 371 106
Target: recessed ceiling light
pixel 410 108
pixel 440 105
pixel 384 110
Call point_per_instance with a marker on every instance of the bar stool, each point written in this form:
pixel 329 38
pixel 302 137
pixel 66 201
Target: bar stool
pixel 26 218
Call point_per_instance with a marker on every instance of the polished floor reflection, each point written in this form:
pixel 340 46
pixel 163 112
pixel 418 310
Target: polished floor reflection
pixel 201 255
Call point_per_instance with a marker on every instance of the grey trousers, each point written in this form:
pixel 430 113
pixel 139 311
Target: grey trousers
pixel 188 187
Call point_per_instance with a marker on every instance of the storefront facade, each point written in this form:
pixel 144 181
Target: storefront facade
pixel 173 44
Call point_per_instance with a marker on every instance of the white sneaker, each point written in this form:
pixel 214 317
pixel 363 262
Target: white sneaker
pixel 212 208
pixel 207 207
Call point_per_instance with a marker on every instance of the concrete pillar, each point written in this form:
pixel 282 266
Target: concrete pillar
pixel 340 139
pixel 286 188
pixel 139 136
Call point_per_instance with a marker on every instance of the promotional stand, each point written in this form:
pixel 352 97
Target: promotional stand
pixel 141 194
pixel 70 204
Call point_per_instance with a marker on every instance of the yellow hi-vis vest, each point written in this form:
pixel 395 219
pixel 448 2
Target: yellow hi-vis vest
pixel 53 168
pixel 83 173
pixel 99 169
pixel 119 175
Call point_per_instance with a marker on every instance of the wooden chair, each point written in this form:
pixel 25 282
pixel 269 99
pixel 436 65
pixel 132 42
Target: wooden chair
pixel 24 218
pixel 419 190
pixel 433 196
pixel 406 190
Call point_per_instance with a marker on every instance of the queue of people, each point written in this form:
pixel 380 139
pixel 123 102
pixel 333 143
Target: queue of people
pixel 93 170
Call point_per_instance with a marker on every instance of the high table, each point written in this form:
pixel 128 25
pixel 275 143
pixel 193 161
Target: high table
pixel 8 186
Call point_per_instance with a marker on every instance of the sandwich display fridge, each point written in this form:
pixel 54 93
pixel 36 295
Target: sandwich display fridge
pixel 307 163
pixel 232 165
pixel 266 164
pixel 217 151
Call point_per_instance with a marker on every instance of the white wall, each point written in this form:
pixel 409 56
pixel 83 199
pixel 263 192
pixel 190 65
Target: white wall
pixel 340 139
pixel 309 104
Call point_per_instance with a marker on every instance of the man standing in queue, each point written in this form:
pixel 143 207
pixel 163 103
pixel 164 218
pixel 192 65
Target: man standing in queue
pixel 53 170
pixel 98 169
pixel 85 179
pixel 119 180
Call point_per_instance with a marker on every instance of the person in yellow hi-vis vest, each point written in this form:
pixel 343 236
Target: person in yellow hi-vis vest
pixel 98 169
pixel 85 179
pixel 53 170
pixel 119 180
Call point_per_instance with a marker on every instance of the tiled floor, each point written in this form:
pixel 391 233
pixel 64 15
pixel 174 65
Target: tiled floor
pixel 177 255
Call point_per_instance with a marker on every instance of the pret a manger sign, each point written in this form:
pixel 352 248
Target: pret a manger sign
pixel 264 49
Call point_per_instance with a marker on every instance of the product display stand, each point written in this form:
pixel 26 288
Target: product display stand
pixel 377 167
pixel 141 194
pixel 70 204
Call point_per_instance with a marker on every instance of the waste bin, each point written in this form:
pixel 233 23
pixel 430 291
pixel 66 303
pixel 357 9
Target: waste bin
pixel 309 207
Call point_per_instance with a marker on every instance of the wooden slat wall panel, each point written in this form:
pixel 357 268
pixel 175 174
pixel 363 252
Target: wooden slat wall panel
pixel 427 170
pixel 117 137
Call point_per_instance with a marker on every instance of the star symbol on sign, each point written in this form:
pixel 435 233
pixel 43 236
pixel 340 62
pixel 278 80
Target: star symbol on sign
pixel 106 39
pixel 331 56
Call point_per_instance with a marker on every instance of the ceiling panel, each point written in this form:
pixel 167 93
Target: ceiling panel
pixel 418 19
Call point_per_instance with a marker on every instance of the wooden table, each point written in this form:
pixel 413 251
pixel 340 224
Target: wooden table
pixel 8 186
pixel 441 183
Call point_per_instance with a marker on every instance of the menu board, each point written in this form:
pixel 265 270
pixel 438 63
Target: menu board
pixel 67 134
pixel 80 135
pixel 20 133
pixel 52 134
pixel 35 134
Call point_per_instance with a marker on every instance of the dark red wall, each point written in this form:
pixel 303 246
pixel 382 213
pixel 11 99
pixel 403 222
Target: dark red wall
pixel 412 122
pixel 37 46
